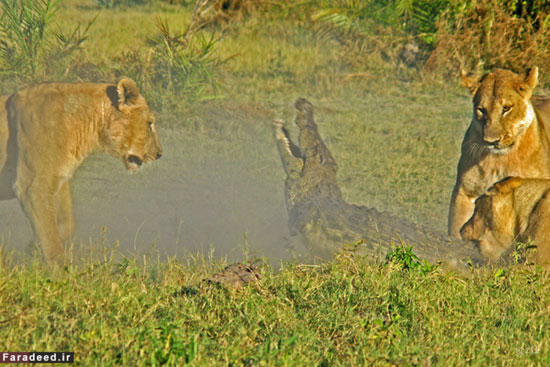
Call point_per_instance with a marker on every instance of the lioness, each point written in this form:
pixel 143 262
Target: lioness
pixel 513 209
pixel 508 136
pixel 46 131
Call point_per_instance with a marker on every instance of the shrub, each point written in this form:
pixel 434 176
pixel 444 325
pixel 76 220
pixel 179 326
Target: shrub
pixel 472 34
pixel 416 18
pixel 29 49
pixel 404 257
pixel 483 35
pixel 374 33
pixel 184 64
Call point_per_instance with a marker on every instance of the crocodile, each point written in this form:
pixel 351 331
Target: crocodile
pixel 327 224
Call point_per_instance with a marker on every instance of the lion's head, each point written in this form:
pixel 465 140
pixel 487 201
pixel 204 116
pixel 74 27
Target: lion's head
pixel 131 134
pixel 502 110
pixel 494 224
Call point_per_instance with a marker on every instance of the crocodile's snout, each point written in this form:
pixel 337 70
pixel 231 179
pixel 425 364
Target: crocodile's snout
pixel 303 104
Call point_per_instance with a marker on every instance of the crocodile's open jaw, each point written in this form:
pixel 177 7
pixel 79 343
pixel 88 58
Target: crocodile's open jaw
pixel 292 148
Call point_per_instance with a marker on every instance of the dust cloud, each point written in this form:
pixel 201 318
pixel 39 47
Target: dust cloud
pixel 215 195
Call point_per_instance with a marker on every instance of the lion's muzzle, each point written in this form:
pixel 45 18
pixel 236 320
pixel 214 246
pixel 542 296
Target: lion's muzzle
pixel 500 147
pixel 133 162
pixel 466 232
pixel 134 159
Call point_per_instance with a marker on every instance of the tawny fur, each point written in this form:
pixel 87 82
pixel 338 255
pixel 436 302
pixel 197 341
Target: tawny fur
pixel 508 136
pixel 47 130
pixel 514 209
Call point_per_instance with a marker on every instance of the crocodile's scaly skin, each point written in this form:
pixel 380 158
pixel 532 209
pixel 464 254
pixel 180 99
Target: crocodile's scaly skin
pixel 318 213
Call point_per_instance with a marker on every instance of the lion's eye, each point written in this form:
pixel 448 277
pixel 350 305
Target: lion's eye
pixel 481 112
pixel 506 109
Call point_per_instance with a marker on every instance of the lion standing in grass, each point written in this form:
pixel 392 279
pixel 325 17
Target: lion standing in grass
pixel 508 136
pixel 514 209
pixel 47 130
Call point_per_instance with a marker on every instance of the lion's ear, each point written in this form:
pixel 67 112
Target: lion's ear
pixel 128 92
pixel 530 81
pixel 469 81
pixel 508 185
pixel 532 77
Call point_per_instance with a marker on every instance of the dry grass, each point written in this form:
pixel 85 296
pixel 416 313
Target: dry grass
pixel 486 36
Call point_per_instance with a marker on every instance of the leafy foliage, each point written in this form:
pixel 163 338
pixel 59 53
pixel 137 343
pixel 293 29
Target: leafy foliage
pixel 483 35
pixel 29 49
pixel 184 63
pixel 412 16
pixel 473 34
pixel 406 259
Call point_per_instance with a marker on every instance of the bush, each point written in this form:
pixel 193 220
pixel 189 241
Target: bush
pixel 413 17
pixel 374 34
pixel 404 257
pixel 480 36
pixel 29 49
pixel 448 34
pixel 184 64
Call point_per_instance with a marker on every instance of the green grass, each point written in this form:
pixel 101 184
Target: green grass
pixel 343 313
pixel 396 137
pixel 118 30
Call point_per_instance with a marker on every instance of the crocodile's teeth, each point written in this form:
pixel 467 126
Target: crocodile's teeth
pixel 282 134
pixel 287 146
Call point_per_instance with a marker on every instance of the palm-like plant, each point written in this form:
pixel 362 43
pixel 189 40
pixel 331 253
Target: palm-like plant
pixel 413 16
pixel 27 44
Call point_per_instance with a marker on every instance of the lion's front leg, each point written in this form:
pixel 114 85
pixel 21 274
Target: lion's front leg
pixel 65 217
pixel 461 209
pixel 36 196
pixel 537 232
